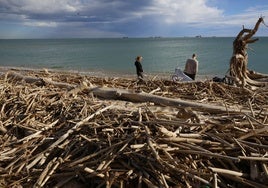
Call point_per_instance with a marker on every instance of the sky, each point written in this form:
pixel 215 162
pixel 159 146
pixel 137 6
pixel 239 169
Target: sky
pixel 129 18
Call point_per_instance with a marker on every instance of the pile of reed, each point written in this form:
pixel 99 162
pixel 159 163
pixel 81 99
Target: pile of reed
pixel 53 136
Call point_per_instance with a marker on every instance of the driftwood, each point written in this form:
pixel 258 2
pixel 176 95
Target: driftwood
pixel 80 136
pixel 15 76
pixel 123 94
pixel 239 62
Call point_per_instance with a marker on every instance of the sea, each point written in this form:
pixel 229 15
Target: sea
pixel 116 56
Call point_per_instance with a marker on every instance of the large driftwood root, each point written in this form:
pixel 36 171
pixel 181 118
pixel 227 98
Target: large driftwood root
pixel 238 71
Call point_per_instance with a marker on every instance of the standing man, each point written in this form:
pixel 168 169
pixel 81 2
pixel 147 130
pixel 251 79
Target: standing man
pixel 191 67
pixel 139 67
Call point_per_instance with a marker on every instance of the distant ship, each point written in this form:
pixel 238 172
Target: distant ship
pixel 155 37
pixel 198 36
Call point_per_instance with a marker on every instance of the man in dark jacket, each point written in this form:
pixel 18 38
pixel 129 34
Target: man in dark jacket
pixel 139 67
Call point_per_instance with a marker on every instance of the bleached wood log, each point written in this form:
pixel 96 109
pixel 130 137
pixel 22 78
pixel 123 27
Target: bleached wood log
pixel 37 81
pixel 122 94
pixel 225 171
pixel 264 159
pixel 91 171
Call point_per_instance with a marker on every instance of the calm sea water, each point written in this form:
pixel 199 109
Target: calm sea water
pixel 116 56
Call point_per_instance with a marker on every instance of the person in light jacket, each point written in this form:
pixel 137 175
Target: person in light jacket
pixel 191 67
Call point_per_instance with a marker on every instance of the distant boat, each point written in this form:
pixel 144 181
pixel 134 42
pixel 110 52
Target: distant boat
pixel 198 36
pixel 155 37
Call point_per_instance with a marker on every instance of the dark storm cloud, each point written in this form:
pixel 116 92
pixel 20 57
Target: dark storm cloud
pixel 74 11
pixel 112 18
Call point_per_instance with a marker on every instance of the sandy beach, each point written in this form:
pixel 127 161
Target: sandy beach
pixel 70 129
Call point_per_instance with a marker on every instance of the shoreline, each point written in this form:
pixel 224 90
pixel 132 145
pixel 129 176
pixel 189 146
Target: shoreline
pixel 100 74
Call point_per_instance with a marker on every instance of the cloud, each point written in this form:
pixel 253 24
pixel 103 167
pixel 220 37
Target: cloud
pixel 121 17
pixel 185 11
pixel 38 6
pixel 40 24
pixel 171 11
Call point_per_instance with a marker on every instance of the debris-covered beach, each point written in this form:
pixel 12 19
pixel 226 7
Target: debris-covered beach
pixel 62 129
